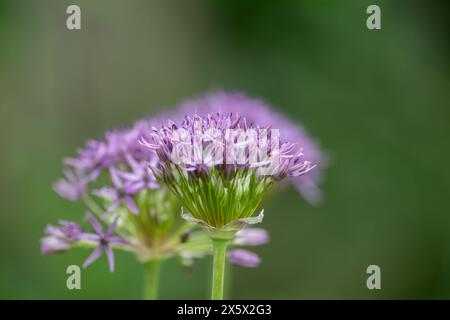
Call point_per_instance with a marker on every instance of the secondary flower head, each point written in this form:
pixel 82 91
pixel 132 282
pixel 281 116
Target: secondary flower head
pixel 115 171
pixel 259 112
pixel 220 166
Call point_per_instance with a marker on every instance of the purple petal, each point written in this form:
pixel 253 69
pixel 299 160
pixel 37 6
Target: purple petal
pixel 244 258
pixel 115 178
pixel 113 226
pixel 117 240
pixel 114 205
pixel 94 174
pixel 51 244
pixel 138 186
pixel 309 189
pixel 131 205
pixel 94 223
pixel 133 188
pixel 130 176
pixel 90 237
pixel 71 189
pixel 252 237
pixel 110 255
pixel 54 231
pixel 133 163
pixel 70 175
pixel 107 193
pixel 94 256
pixel 153 185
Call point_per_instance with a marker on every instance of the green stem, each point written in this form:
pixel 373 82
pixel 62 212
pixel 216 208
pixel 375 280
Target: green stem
pixel 92 205
pixel 152 273
pixel 220 253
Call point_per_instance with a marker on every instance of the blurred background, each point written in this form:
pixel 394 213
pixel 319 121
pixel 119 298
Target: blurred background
pixel 378 101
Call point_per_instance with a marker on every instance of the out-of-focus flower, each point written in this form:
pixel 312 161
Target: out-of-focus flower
pixel 120 191
pixel 141 177
pixel 91 159
pixel 104 238
pixel 59 239
pixel 251 237
pixel 244 258
pixel 72 188
pixel 217 162
pixel 116 170
pixel 50 244
pixel 258 112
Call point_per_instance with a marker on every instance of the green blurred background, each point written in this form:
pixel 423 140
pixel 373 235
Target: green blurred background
pixel 378 101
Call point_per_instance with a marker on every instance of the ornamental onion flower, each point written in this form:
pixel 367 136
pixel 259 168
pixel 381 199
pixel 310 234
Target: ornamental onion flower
pixel 220 166
pixel 259 112
pixel 128 209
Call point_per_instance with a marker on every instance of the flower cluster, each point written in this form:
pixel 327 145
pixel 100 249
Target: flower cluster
pixel 118 149
pixel 216 158
pixel 259 112
pixel 220 166
pixel 130 210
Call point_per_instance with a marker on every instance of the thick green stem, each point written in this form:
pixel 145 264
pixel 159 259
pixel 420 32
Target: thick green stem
pixel 152 273
pixel 220 254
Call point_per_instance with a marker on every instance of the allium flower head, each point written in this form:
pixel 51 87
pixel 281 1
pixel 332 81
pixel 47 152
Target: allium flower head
pixel 259 112
pixel 116 171
pixel 220 167
pixel 218 162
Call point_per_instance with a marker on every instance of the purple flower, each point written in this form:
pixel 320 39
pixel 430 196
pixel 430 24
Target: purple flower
pixel 140 177
pixel 181 145
pixel 52 244
pixel 251 237
pixel 91 159
pixel 60 238
pixel 118 149
pixel 104 239
pixel 121 191
pixel 71 188
pixel 258 112
pixel 220 166
pixel 244 258
pixel 68 230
